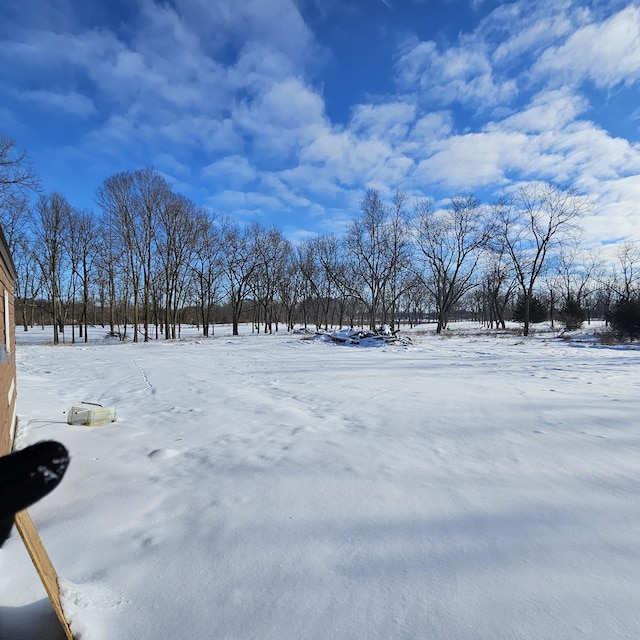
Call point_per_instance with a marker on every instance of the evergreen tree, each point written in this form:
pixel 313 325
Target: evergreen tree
pixel 572 314
pixel 537 310
pixel 625 317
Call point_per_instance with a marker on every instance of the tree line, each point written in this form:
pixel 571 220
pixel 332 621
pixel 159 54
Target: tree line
pixel 148 259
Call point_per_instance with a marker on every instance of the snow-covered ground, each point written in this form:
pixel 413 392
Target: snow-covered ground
pixel 270 487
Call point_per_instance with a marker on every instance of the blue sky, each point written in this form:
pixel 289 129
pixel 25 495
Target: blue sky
pixel 286 111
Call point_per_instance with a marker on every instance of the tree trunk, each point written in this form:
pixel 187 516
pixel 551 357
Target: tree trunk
pixel 527 308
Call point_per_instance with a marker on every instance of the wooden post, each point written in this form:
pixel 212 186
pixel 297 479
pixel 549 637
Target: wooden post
pixel 43 565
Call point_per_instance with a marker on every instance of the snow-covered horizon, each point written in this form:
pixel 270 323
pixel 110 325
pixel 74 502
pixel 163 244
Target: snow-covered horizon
pixel 478 486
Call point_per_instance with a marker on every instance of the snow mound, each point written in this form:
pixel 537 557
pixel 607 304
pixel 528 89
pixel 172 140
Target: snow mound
pixel 162 454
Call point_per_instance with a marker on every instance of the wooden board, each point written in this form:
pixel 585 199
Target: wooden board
pixel 43 565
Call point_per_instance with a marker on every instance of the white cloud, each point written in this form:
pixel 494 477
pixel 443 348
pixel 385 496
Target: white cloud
pixel 309 179
pixel 547 111
pixel 117 133
pixel 521 45
pixel 390 120
pixel 353 161
pixel 171 65
pixel 273 184
pixel 461 73
pixel 591 155
pixel 168 163
pixel 221 92
pixel 245 202
pixel 277 24
pixel 257 67
pixel 73 103
pixel 545 140
pixel 616 211
pixel 234 170
pixel 282 120
pixel 428 129
pixel 286 105
pixel 267 193
pixel 580 153
pixel 521 31
pixel 605 53
pixel 470 161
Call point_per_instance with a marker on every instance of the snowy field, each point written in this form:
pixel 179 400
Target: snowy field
pixel 269 487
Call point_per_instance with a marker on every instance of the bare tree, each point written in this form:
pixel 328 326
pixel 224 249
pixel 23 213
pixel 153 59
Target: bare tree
pixel 290 287
pixel 311 283
pixel 270 253
pixel 552 285
pixel 82 248
pixel 53 213
pixel 175 241
pixel 17 222
pixel 16 219
pixel 153 195
pixel 29 280
pixel 450 243
pixel 323 265
pixel 207 266
pixel 131 202
pixel 116 198
pixel 17 179
pixel 414 298
pixel 371 261
pixel 239 267
pixel 110 264
pixel 17 183
pixel 498 283
pixel 533 224
pixel 625 282
pixel 577 272
pixel 71 244
pixel 400 276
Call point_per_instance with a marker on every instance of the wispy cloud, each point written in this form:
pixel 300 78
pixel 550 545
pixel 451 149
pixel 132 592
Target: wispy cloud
pixel 228 98
pixel 72 103
pixel 234 170
pixel 605 53
pixel 459 74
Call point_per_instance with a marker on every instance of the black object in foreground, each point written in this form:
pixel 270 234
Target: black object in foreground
pixel 28 475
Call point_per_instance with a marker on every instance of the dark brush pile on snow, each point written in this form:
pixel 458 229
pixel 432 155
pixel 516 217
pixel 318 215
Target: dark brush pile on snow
pixel 364 337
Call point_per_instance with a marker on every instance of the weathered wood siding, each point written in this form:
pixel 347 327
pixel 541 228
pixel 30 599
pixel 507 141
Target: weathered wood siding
pixel 8 388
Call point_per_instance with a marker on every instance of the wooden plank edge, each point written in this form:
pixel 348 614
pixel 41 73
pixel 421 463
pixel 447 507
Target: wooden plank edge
pixel 43 565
